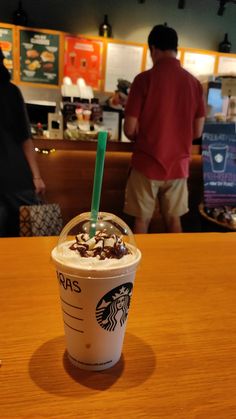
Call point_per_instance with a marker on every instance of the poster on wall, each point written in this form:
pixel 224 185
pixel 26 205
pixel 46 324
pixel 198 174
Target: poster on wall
pixel 199 64
pixel 83 58
pixel 219 169
pixel 39 57
pixel 123 62
pixel 6 44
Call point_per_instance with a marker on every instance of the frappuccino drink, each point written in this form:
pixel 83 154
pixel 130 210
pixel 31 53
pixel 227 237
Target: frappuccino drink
pixel 95 276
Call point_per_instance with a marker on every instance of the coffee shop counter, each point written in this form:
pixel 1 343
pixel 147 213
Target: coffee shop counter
pixel 89 145
pixel 179 355
pixel 67 168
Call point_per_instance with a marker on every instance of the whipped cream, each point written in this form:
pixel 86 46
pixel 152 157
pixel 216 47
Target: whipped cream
pixel 102 246
pixel 99 252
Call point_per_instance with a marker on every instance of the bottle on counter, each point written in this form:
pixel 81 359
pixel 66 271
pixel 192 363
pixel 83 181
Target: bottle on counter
pixel 85 104
pixel 225 45
pixel 68 110
pixel 105 28
pixel 20 16
pixel 76 100
pixel 96 109
pixel 39 130
pixel 66 99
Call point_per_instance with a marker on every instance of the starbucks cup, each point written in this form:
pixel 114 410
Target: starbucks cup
pixel 95 294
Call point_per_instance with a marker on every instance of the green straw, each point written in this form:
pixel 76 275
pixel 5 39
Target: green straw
pixel 97 180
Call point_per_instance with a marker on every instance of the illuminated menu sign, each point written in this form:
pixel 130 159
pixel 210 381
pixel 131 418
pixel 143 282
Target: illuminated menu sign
pixel 227 65
pixel 6 43
pixel 83 59
pixel 199 64
pixel 39 57
pixel 123 61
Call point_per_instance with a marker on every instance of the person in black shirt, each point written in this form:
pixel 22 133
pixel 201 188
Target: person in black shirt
pixel 20 179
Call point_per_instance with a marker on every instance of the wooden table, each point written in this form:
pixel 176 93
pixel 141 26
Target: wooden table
pixel 179 357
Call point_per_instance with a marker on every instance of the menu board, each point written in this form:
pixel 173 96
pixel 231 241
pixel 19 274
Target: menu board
pixel 226 65
pixel 39 57
pixel 123 62
pixel 199 64
pixel 83 58
pixel 219 169
pixel 149 62
pixel 6 43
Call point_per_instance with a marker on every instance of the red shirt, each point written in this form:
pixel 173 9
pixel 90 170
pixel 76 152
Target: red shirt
pixel 166 100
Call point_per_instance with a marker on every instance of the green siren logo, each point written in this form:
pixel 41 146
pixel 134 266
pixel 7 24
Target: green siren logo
pixel 112 310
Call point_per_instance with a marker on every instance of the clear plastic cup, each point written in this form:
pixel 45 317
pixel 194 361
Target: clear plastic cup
pixel 95 294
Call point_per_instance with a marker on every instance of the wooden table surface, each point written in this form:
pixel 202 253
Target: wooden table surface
pixel 179 356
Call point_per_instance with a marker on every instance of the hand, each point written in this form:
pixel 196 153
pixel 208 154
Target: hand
pixel 39 185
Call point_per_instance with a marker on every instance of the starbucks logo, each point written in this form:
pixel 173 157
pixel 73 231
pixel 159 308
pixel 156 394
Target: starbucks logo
pixel 112 310
pixel 219 158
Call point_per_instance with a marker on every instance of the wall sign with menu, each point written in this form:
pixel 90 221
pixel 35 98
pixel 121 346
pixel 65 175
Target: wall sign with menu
pixel 227 65
pixel 39 57
pixel 199 63
pixel 149 63
pixel 83 58
pixel 42 56
pixel 123 61
pixel 6 44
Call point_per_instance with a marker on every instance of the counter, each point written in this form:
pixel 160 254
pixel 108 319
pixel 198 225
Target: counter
pixel 179 358
pixel 68 172
pixel 91 145
pixel 88 145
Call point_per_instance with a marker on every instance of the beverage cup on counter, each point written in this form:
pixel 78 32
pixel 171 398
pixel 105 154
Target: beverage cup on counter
pixel 79 114
pixel 95 277
pixel 86 114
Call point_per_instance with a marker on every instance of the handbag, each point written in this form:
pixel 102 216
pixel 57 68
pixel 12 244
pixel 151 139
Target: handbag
pixel 40 220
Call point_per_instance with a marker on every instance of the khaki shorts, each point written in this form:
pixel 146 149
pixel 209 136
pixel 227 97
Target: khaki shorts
pixel 143 194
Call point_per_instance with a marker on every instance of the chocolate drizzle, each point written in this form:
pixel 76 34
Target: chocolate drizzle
pixel 101 246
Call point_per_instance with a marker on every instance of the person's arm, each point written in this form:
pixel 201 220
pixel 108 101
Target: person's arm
pixel 28 149
pixel 131 127
pixel 133 107
pixel 198 125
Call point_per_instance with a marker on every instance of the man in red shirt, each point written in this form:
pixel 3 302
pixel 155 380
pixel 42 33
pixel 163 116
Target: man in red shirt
pixel 164 113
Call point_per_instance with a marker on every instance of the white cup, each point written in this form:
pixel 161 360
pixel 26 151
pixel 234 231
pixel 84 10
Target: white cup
pixel 95 305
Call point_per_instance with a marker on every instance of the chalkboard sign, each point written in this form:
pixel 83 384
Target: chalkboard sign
pixel 6 43
pixel 219 169
pixel 39 57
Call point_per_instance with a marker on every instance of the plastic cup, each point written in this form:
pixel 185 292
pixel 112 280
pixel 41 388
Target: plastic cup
pixel 95 300
pixel 86 115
